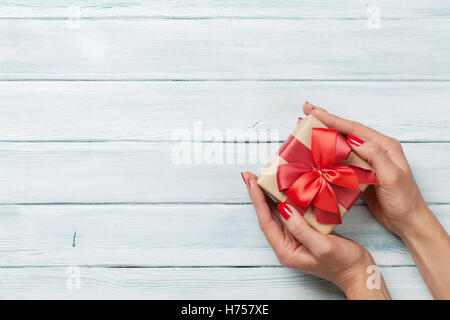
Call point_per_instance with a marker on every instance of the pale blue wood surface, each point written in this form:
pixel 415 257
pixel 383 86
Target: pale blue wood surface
pixel 88 106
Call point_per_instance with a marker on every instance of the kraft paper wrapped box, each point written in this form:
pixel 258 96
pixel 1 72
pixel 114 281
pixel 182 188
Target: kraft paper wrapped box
pixel 317 172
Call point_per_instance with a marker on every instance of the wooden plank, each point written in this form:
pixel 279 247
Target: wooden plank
pixel 230 8
pixel 175 283
pixel 39 111
pixel 157 235
pixel 201 49
pixel 153 172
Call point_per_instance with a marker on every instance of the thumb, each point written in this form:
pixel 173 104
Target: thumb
pixel 377 158
pixel 317 243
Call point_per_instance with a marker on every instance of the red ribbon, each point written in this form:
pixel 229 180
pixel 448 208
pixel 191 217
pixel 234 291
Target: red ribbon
pixel 317 177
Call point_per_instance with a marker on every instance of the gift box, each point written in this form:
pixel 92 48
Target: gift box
pixel 316 172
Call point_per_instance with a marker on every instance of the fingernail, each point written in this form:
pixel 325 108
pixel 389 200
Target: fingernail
pixel 354 140
pixel 317 110
pixel 284 210
pixel 311 105
pixel 243 178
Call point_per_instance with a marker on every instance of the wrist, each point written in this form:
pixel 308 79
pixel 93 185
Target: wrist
pixel 363 281
pixel 429 244
pixel 413 228
pixel 354 277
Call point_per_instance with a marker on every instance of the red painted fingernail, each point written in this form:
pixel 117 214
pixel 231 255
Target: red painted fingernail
pixel 309 104
pixel 284 210
pixel 243 178
pixel 354 140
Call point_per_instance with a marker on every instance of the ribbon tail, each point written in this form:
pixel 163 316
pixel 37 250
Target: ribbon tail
pixel 327 217
pixel 287 174
pixel 346 197
pixel 365 176
pixel 325 198
pixel 305 189
pixel 293 151
pixel 343 176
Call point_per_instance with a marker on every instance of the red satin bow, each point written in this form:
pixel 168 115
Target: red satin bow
pixel 320 178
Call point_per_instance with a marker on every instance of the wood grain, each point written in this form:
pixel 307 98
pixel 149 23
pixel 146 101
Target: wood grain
pixel 224 49
pixel 189 283
pixel 146 172
pixel 71 111
pixel 156 235
pixel 309 9
pixel 86 172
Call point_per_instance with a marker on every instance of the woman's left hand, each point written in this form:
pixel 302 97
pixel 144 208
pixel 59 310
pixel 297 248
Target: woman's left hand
pixel 299 246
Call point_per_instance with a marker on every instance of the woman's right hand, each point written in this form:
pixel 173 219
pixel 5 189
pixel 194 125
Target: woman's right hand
pixel 396 201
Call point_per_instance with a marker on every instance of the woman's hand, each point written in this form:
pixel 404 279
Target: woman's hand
pixel 396 201
pixel 299 246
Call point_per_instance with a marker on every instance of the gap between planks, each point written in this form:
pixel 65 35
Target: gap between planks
pixel 156 203
pixel 226 80
pixel 196 141
pixel 218 17
pixel 101 266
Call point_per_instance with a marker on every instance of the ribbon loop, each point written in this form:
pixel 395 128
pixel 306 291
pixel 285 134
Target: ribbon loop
pixel 289 173
pixel 323 147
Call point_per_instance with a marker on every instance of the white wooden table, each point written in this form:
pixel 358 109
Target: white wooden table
pixel 91 205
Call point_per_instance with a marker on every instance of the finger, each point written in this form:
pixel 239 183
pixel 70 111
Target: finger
pixel 389 145
pixel 370 198
pixel 313 240
pixel 308 108
pixel 269 226
pixel 378 159
pixel 343 125
pixel 274 211
pixel 271 203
